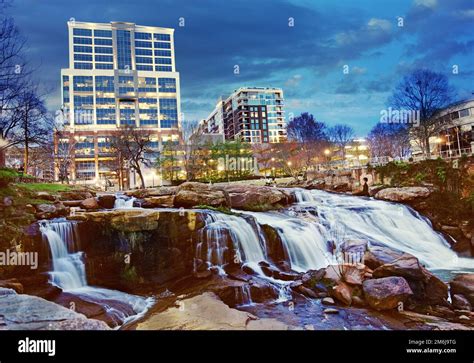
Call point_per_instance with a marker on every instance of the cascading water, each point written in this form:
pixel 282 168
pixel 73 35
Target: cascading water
pixel 122 202
pixel 212 245
pixel 68 269
pixel 69 273
pixel 382 223
pixel 303 240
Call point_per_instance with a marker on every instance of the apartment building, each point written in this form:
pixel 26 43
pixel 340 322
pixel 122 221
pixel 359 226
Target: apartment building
pixel 249 114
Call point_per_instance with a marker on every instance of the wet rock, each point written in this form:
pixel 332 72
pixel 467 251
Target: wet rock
pixel 89 203
pixel 256 198
pixel 307 292
pixel 377 256
pixel 460 302
pixel 328 301
pixel 32 313
pixel 191 194
pixel 464 285
pixel 354 274
pixel 249 270
pixel 356 247
pixel 427 288
pixel 284 266
pixel 207 312
pixel 332 275
pixel 163 201
pixel 358 301
pixel 13 284
pixel 374 189
pixel 404 194
pixel 106 201
pixel 331 311
pixel 285 276
pixel 262 291
pixel 312 277
pixel 386 293
pixel 342 293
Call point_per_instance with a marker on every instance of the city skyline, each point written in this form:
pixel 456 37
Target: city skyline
pixel 295 45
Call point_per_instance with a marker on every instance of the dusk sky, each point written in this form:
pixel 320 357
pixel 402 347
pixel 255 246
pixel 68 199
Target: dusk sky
pixel 306 60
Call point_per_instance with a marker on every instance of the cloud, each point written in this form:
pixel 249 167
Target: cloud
pixel 305 60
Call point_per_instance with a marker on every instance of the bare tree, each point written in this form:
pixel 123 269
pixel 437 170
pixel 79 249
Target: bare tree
pixel 425 92
pixel 64 155
pixel 341 135
pixel 34 125
pixel 311 136
pixel 389 139
pixel 132 145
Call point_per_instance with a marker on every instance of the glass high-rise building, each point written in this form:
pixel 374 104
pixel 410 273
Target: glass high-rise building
pixel 119 74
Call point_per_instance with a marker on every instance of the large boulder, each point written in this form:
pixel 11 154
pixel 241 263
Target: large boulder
pixel 45 196
pixel 342 292
pixel 90 203
pixel 257 198
pixel 158 201
pixel 377 256
pixel 403 194
pixel 32 313
pixel 75 195
pixel 152 192
pixel 461 303
pixel 106 201
pixel 191 194
pixel 161 191
pixel 464 285
pixel 427 288
pixel 46 211
pixel 386 293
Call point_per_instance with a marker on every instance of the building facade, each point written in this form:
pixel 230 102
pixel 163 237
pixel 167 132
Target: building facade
pixel 120 74
pixel 456 137
pixel 249 114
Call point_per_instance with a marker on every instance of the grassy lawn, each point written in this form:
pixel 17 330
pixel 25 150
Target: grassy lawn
pixel 45 187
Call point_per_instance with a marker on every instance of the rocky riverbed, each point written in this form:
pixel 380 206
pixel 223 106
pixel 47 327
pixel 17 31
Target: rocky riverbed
pixel 210 262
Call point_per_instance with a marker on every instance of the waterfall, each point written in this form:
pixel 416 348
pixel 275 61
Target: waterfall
pixel 122 202
pixel 303 240
pixel 381 223
pixel 243 295
pixel 68 269
pixel 246 239
pixel 70 275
